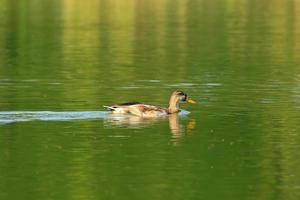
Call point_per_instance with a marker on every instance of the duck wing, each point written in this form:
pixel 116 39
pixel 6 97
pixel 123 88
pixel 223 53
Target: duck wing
pixel 147 110
pixel 129 103
pixel 138 109
pixel 122 108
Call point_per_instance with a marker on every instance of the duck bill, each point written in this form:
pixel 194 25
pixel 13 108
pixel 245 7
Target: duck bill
pixel 190 101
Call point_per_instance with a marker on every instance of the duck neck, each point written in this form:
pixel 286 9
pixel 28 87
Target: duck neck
pixel 173 105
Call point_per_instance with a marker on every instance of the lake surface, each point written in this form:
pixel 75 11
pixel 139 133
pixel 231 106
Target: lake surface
pixel 61 61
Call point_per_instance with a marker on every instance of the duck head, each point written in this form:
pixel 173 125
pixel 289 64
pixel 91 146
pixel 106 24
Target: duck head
pixel 176 97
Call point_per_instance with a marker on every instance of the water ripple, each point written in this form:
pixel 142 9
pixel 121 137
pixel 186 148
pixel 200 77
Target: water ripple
pixel 21 116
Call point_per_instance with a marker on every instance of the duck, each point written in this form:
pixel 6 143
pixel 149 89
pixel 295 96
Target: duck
pixel 145 110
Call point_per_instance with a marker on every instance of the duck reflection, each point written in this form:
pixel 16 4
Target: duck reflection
pixel 177 128
pixel 128 121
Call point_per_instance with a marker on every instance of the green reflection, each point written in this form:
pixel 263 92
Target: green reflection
pixel 239 59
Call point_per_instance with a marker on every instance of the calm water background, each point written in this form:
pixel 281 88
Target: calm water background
pixel 239 59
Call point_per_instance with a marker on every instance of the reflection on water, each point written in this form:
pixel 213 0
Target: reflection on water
pixel 129 121
pixel 177 129
pixel 110 120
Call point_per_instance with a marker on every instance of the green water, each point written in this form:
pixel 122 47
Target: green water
pixel 239 60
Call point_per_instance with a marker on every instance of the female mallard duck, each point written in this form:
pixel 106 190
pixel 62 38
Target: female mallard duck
pixel 144 110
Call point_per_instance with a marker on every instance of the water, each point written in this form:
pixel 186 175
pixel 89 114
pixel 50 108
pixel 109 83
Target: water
pixel 61 61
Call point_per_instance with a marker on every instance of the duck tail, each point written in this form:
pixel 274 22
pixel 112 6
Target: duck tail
pixel 109 108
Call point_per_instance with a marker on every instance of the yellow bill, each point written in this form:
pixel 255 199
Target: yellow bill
pixel 190 101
